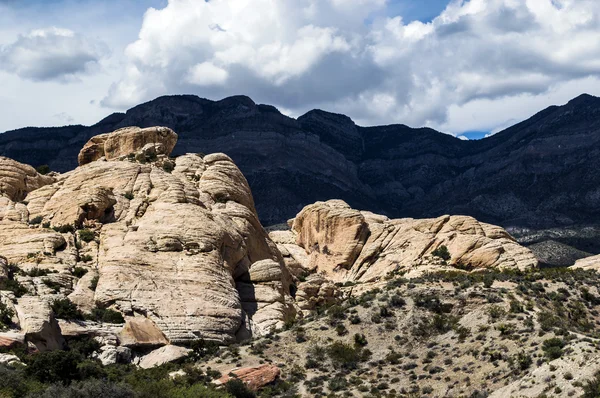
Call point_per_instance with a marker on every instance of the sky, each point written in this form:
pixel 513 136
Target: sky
pixel 465 67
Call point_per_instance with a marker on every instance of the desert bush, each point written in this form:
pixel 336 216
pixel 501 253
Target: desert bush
pixel 397 301
pixel 337 383
pixel 432 302
pixel 360 340
pixel 341 330
pixel 6 315
pixel 87 389
pixel 39 272
pixel 344 356
pixel 53 366
pixel 55 286
pixel 36 220
pixel 591 388
pixel 442 252
pixel 43 169
pixel 496 312
pixel 63 229
pixel 553 348
pixel 238 389
pixel 79 272
pixel 202 349
pixel 65 309
pixel 94 282
pixel 86 235
pixel 106 315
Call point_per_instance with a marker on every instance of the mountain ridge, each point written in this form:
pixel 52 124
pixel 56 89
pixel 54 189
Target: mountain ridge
pixel 537 173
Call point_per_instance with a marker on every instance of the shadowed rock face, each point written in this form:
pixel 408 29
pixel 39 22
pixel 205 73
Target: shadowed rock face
pixel 538 173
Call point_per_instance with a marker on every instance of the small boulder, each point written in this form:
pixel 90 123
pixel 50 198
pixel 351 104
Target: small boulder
pixel 162 355
pixel 254 377
pixel 141 332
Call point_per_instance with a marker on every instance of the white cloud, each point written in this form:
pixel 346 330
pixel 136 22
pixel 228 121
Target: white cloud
pixel 301 54
pixel 206 74
pixel 50 54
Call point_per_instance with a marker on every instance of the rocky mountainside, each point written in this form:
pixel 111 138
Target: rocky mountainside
pixel 137 260
pixel 539 173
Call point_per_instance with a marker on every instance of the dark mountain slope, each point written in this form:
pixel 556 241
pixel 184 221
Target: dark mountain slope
pixel 540 173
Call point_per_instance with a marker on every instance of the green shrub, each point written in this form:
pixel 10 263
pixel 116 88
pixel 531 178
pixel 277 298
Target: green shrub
pixel 86 258
pixel 397 301
pixel 86 235
pixel 106 315
pixel 337 383
pixel 168 167
pixel 53 366
pixel 63 229
pixel 442 252
pixel 591 388
pixel 553 348
pixel 94 282
pixel 84 345
pixel 341 330
pixel 202 349
pixel 128 195
pixel 12 285
pixel 39 272
pixel 55 286
pixel 43 169
pixel 88 389
pixel 238 389
pixel 65 309
pixel 6 315
pixel 360 340
pixel 79 272
pixel 496 312
pixel 36 220
pixel 345 356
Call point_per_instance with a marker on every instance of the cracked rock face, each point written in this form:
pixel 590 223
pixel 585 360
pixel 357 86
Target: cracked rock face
pixel 128 141
pixel 180 249
pixel 349 245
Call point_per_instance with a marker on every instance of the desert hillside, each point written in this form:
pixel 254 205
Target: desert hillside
pixel 139 273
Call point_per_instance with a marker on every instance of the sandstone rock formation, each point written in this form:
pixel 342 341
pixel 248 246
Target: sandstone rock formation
pixel 129 141
pixel 591 263
pixel 349 245
pixel 178 250
pixel 175 246
pixel 254 377
pixel 162 355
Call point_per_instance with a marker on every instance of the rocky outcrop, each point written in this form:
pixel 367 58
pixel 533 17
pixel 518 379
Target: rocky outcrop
pixel 37 322
pixel 17 179
pixel 160 356
pixel 178 250
pixel 141 332
pixel 129 141
pixel 348 245
pixel 590 263
pixel 254 377
pixel 317 291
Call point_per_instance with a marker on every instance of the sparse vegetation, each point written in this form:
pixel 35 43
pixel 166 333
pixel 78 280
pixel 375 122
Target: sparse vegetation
pixel 65 309
pixel 43 169
pixel 94 282
pixel 442 252
pixel 106 315
pixel 86 235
